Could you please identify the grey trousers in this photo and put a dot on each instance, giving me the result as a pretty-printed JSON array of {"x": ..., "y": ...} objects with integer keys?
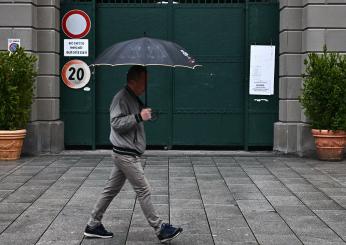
[{"x": 126, "y": 167}]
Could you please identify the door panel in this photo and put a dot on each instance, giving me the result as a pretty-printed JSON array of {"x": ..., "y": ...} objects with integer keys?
[
  {"x": 263, "y": 110},
  {"x": 116, "y": 24},
  {"x": 76, "y": 104},
  {"x": 208, "y": 106},
  {"x": 208, "y": 102}
]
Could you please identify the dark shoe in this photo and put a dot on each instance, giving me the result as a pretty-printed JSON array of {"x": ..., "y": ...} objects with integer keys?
[
  {"x": 97, "y": 231},
  {"x": 168, "y": 232}
]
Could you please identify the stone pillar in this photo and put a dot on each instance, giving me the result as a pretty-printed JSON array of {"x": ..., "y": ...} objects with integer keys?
[
  {"x": 36, "y": 23},
  {"x": 305, "y": 26}
]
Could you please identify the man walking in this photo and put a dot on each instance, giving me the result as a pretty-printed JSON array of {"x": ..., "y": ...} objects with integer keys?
[{"x": 127, "y": 114}]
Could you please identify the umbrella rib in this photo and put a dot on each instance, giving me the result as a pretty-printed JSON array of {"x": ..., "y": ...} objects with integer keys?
[
  {"x": 146, "y": 52},
  {"x": 125, "y": 64}
]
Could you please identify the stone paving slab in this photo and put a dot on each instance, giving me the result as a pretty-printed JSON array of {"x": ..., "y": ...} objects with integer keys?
[{"x": 218, "y": 198}]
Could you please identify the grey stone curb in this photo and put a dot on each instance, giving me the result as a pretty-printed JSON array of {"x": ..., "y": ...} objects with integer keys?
[{"x": 175, "y": 153}]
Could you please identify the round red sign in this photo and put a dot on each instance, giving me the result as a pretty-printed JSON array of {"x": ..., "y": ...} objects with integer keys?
[
  {"x": 76, "y": 24},
  {"x": 75, "y": 74}
]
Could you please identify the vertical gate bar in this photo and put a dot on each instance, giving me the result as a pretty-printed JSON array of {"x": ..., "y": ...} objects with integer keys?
[
  {"x": 93, "y": 83},
  {"x": 170, "y": 20},
  {"x": 246, "y": 74}
]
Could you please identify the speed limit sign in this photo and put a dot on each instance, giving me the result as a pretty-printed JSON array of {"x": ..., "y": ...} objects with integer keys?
[{"x": 75, "y": 74}]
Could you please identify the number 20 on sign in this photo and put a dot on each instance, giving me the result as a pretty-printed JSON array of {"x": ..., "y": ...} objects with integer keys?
[{"x": 75, "y": 74}]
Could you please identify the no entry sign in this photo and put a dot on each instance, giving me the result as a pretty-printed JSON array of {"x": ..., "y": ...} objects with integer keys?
[
  {"x": 75, "y": 74},
  {"x": 76, "y": 24}
]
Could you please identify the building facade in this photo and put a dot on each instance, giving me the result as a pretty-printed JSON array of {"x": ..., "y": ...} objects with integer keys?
[
  {"x": 37, "y": 25},
  {"x": 304, "y": 26}
]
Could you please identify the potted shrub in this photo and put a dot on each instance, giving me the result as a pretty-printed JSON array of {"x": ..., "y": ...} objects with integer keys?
[
  {"x": 17, "y": 77},
  {"x": 324, "y": 101}
]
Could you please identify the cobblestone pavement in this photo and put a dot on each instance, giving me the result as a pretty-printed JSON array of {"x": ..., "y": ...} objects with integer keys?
[{"x": 220, "y": 200}]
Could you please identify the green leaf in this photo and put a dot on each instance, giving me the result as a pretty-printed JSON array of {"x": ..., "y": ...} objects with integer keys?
[
  {"x": 324, "y": 90},
  {"x": 17, "y": 77}
]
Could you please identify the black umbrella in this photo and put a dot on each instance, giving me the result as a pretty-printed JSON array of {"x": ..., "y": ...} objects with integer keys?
[{"x": 146, "y": 52}]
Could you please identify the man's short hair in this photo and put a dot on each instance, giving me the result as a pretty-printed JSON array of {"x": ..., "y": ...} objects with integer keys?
[{"x": 134, "y": 72}]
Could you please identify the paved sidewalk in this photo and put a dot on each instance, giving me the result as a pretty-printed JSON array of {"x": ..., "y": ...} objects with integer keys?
[{"x": 220, "y": 200}]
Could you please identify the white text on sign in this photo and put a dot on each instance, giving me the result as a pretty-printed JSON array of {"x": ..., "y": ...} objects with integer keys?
[{"x": 76, "y": 47}]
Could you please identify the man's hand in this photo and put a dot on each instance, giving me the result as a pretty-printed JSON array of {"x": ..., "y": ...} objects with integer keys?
[{"x": 146, "y": 114}]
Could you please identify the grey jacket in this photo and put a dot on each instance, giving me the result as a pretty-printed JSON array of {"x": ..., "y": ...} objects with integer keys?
[{"x": 127, "y": 129}]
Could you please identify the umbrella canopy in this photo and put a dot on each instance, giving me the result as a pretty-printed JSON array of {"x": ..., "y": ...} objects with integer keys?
[{"x": 146, "y": 52}]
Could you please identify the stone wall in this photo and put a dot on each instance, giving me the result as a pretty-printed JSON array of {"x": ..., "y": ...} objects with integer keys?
[
  {"x": 36, "y": 23},
  {"x": 305, "y": 26}
]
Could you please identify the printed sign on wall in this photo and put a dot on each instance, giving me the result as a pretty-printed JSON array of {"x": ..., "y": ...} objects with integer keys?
[
  {"x": 76, "y": 47},
  {"x": 13, "y": 44},
  {"x": 262, "y": 69}
]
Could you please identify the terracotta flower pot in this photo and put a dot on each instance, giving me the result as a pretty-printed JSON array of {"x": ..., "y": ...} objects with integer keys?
[
  {"x": 11, "y": 143},
  {"x": 330, "y": 144}
]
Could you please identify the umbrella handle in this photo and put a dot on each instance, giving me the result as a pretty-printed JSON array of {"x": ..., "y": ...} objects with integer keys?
[{"x": 146, "y": 91}]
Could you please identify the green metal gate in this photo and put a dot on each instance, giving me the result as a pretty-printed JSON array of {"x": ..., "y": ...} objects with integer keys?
[{"x": 209, "y": 106}]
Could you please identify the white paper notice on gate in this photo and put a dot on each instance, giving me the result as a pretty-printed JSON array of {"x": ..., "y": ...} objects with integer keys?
[
  {"x": 76, "y": 47},
  {"x": 262, "y": 70}
]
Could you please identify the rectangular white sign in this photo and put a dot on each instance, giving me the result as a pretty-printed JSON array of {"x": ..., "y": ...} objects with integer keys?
[
  {"x": 262, "y": 70},
  {"x": 13, "y": 44},
  {"x": 76, "y": 47}
]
